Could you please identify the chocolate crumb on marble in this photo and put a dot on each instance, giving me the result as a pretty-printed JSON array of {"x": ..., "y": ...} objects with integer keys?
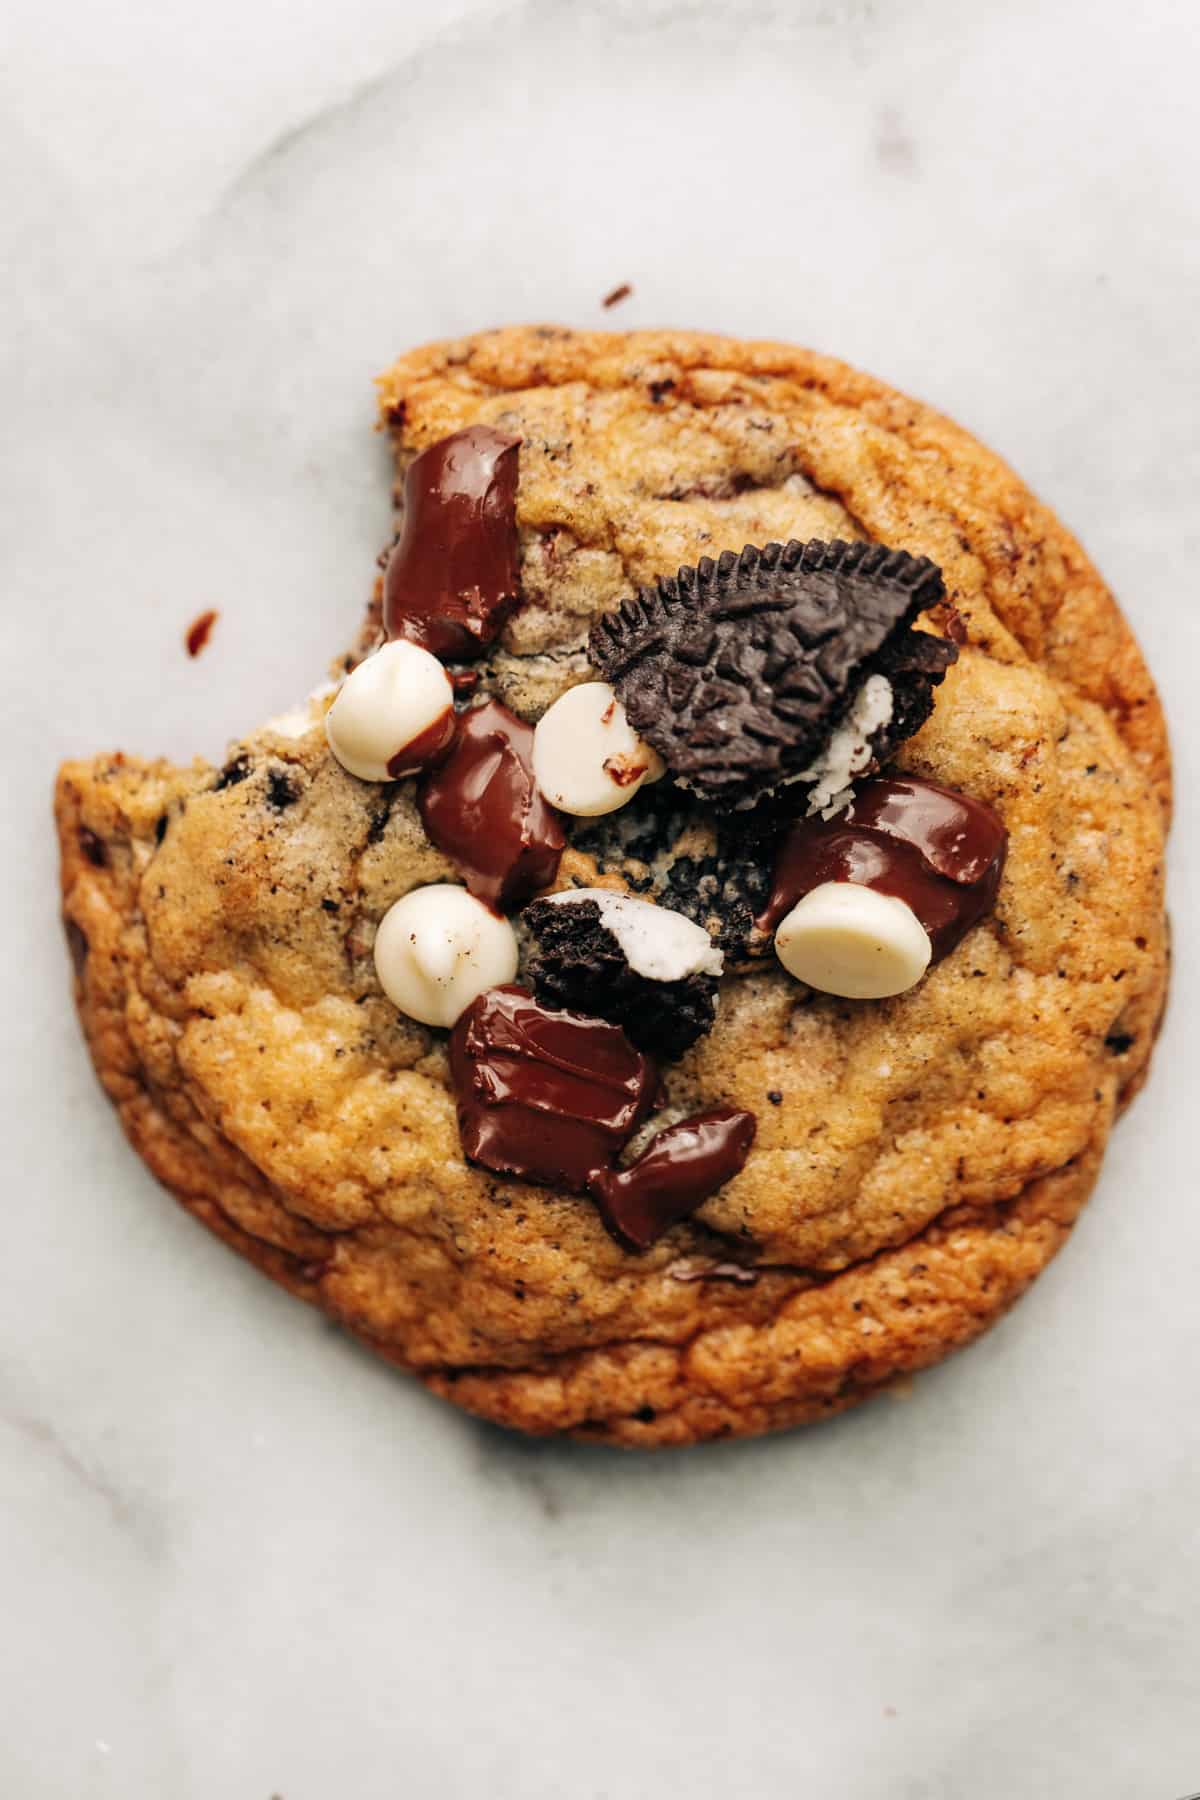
[{"x": 200, "y": 631}]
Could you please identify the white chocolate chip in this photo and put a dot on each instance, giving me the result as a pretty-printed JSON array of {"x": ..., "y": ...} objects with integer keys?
[
  {"x": 846, "y": 939},
  {"x": 587, "y": 758},
  {"x": 438, "y": 949},
  {"x": 387, "y": 703},
  {"x": 657, "y": 943}
]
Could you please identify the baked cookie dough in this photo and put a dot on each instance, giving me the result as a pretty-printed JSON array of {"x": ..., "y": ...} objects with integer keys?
[{"x": 916, "y": 1161}]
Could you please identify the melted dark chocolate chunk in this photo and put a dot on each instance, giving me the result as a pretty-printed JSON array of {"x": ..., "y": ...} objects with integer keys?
[
  {"x": 452, "y": 577},
  {"x": 483, "y": 809},
  {"x": 426, "y": 748},
  {"x": 939, "y": 850},
  {"x": 678, "y": 1171},
  {"x": 546, "y": 1096}
]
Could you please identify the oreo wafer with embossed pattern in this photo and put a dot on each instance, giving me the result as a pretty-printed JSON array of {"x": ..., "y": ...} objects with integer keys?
[{"x": 795, "y": 663}]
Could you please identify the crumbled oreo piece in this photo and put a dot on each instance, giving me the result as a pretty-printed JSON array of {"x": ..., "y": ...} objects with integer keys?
[
  {"x": 581, "y": 964},
  {"x": 738, "y": 671},
  {"x": 723, "y": 892},
  {"x": 282, "y": 789},
  {"x": 669, "y": 846}
]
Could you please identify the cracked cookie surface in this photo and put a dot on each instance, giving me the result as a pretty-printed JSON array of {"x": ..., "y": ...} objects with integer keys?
[{"x": 917, "y": 1161}]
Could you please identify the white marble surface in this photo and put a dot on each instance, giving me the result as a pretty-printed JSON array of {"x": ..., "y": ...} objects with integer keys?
[{"x": 238, "y": 1558}]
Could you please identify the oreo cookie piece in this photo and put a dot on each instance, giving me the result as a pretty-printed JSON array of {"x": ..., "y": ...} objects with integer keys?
[
  {"x": 669, "y": 846},
  {"x": 643, "y": 967},
  {"x": 795, "y": 663}
]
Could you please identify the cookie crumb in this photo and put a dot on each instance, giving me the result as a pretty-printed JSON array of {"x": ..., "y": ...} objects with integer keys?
[
  {"x": 619, "y": 293},
  {"x": 200, "y": 630}
]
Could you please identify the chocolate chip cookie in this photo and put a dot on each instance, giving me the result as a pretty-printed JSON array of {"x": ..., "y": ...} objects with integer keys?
[{"x": 853, "y": 787}]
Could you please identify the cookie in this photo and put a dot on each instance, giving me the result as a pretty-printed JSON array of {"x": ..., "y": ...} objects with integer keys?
[{"x": 915, "y": 1161}]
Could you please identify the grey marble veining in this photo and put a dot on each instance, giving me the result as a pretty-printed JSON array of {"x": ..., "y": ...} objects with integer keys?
[{"x": 239, "y": 1558}]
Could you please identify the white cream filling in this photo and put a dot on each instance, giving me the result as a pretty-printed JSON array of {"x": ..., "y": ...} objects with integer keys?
[
  {"x": 848, "y": 751},
  {"x": 657, "y": 943},
  {"x": 846, "y": 754}
]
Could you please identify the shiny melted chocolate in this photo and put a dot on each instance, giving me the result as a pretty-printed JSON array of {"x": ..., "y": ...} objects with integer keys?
[
  {"x": 426, "y": 747},
  {"x": 679, "y": 1169},
  {"x": 546, "y": 1096},
  {"x": 939, "y": 850},
  {"x": 482, "y": 807},
  {"x": 452, "y": 576}
]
